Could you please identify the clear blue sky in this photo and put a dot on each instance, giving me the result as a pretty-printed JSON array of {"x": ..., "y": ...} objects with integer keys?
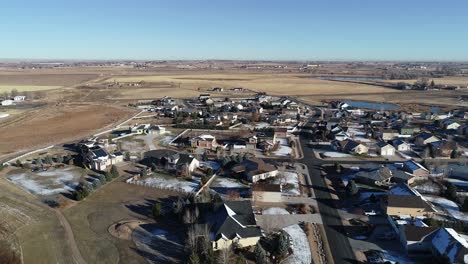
[{"x": 235, "y": 29}]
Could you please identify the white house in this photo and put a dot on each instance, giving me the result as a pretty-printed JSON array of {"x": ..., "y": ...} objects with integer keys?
[
  {"x": 401, "y": 145},
  {"x": 7, "y": 102},
  {"x": 19, "y": 98},
  {"x": 385, "y": 149}
]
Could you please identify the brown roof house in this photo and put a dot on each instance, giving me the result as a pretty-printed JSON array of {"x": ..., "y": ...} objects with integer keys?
[
  {"x": 412, "y": 205},
  {"x": 255, "y": 169},
  {"x": 270, "y": 193}
]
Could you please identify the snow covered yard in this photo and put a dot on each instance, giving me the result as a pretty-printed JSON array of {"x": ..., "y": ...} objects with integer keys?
[
  {"x": 223, "y": 185},
  {"x": 170, "y": 183},
  {"x": 449, "y": 206},
  {"x": 275, "y": 211},
  {"x": 333, "y": 154},
  {"x": 53, "y": 181},
  {"x": 300, "y": 245},
  {"x": 291, "y": 179},
  {"x": 284, "y": 149}
]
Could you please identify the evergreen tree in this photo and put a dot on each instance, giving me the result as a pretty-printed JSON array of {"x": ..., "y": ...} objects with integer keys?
[
  {"x": 351, "y": 188},
  {"x": 283, "y": 244},
  {"x": 157, "y": 210},
  {"x": 464, "y": 207},
  {"x": 194, "y": 259},
  {"x": 241, "y": 259},
  {"x": 260, "y": 254},
  {"x": 108, "y": 176},
  {"x": 114, "y": 171},
  {"x": 451, "y": 192},
  {"x": 18, "y": 163}
]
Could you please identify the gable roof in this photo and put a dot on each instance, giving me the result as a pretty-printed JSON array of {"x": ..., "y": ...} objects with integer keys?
[
  {"x": 413, "y": 166},
  {"x": 233, "y": 219},
  {"x": 447, "y": 241},
  {"x": 253, "y": 166},
  {"x": 418, "y": 233},
  {"x": 408, "y": 201},
  {"x": 162, "y": 153},
  {"x": 185, "y": 159}
]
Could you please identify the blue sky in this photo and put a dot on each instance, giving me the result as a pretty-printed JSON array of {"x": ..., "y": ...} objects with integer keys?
[{"x": 236, "y": 29}]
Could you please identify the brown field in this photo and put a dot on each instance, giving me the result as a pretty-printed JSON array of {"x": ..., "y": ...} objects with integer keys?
[
  {"x": 456, "y": 81},
  {"x": 114, "y": 202},
  {"x": 59, "y": 123},
  {"x": 55, "y": 80},
  {"x": 279, "y": 84},
  {"x": 32, "y": 227}
]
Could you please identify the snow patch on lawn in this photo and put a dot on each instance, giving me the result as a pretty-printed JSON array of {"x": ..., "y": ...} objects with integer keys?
[
  {"x": 284, "y": 148},
  {"x": 332, "y": 154},
  {"x": 291, "y": 178},
  {"x": 227, "y": 183},
  {"x": 275, "y": 211},
  {"x": 450, "y": 206},
  {"x": 47, "y": 182},
  {"x": 168, "y": 183},
  {"x": 300, "y": 246}
]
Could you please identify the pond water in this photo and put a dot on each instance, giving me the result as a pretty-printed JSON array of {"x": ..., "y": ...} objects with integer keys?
[
  {"x": 369, "y": 105},
  {"x": 349, "y": 78}
]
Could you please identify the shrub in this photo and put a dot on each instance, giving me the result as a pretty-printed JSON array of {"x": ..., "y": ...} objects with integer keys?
[{"x": 157, "y": 210}]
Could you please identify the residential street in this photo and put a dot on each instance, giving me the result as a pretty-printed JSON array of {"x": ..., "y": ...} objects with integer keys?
[{"x": 338, "y": 241}]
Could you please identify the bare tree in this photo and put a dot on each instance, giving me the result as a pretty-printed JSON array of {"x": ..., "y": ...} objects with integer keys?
[{"x": 14, "y": 92}]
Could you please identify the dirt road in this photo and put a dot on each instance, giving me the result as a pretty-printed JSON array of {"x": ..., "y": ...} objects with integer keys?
[{"x": 70, "y": 238}]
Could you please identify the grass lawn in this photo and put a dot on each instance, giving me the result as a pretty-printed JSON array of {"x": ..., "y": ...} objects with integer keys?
[{"x": 115, "y": 201}]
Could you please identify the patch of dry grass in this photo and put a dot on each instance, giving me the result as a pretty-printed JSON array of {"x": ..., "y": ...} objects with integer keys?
[{"x": 276, "y": 84}]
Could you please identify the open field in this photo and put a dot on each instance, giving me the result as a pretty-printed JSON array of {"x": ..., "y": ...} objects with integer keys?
[
  {"x": 26, "y": 88},
  {"x": 47, "y": 79},
  {"x": 280, "y": 84},
  {"x": 456, "y": 81},
  {"x": 55, "y": 124},
  {"x": 33, "y": 228},
  {"x": 114, "y": 202}
]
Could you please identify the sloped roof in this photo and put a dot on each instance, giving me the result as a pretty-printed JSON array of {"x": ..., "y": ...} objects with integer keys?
[
  {"x": 233, "y": 218},
  {"x": 406, "y": 201},
  {"x": 417, "y": 233},
  {"x": 448, "y": 241}
]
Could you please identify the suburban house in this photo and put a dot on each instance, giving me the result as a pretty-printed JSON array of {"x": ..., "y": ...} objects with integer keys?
[
  {"x": 415, "y": 168},
  {"x": 269, "y": 193},
  {"x": 203, "y": 141},
  {"x": 401, "y": 145},
  {"x": 412, "y": 205},
  {"x": 442, "y": 148},
  {"x": 376, "y": 177},
  {"x": 436, "y": 241},
  {"x": 407, "y": 131},
  {"x": 385, "y": 149},
  {"x": 187, "y": 163},
  {"x": 255, "y": 169},
  {"x": 161, "y": 157},
  {"x": 449, "y": 124},
  {"x": 232, "y": 222},
  {"x": 447, "y": 241},
  {"x": 99, "y": 159},
  {"x": 351, "y": 146},
  {"x": 425, "y": 138},
  {"x": 19, "y": 98},
  {"x": 416, "y": 239},
  {"x": 387, "y": 134},
  {"x": 281, "y": 132}
]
